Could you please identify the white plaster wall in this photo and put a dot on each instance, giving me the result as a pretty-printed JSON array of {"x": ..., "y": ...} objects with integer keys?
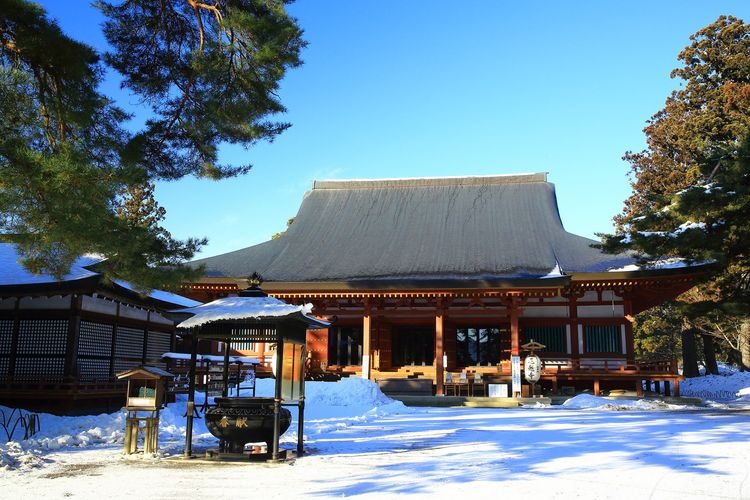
[
  {"x": 99, "y": 305},
  {"x": 562, "y": 300},
  {"x": 589, "y": 296},
  {"x": 57, "y": 302},
  {"x": 6, "y": 304},
  {"x": 603, "y": 311},
  {"x": 545, "y": 312},
  {"x": 133, "y": 312},
  {"x": 610, "y": 295},
  {"x": 580, "y": 338},
  {"x": 159, "y": 319}
]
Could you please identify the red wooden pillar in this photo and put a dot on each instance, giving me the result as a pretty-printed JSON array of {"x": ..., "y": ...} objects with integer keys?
[
  {"x": 573, "y": 315},
  {"x": 629, "y": 319},
  {"x": 366, "y": 335},
  {"x": 515, "y": 335},
  {"x": 439, "y": 350}
]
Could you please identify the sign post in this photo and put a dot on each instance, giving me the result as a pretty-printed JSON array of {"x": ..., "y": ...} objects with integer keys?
[{"x": 515, "y": 371}]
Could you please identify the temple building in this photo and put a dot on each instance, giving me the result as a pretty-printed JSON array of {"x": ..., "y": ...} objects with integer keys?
[{"x": 425, "y": 277}]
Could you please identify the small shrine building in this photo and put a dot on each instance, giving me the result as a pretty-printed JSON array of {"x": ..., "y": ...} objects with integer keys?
[
  {"x": 421, "y": 277},
  {"x": 62, "y": 341}
]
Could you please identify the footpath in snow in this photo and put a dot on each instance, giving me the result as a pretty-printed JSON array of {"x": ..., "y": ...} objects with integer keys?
[{"x": 361, "y": 443}]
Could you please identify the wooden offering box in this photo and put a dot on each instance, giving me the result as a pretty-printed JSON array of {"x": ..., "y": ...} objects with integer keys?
[{"x": 147, "y": 388}]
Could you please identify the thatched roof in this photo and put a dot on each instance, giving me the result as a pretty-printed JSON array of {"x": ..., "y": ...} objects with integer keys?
[{"x": 480, "y": 228}]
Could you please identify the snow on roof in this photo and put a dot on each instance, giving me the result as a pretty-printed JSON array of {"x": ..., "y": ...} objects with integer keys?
[
  {"x": 391, "y": 182},
  {"x": 13, "y": 273},
  {"x": 241, "y": 308},
  {"x": 660, "y": 264},
  {"x": 172, "y": 298},
  {"x": 153, "y": 370}
]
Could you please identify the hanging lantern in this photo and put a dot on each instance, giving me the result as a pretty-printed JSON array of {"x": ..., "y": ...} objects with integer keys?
[{"x": 532, "y": 368}]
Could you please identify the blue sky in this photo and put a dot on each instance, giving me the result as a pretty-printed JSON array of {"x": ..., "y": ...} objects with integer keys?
[{"x": 436, "y": 88}]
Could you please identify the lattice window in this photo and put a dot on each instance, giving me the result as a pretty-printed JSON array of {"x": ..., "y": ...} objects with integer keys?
[
  {"x": 95, "y": 339},
  {"x": 43, "y": 336},
  {"x": 129, "y": 342},
  {"x": 602, "y": 338},
  {"x": 4, "y": 362},
  {"x": 553, "y": 337},
  {"x": 158, "y": 344},
  {"x": 6, "y": 335},
  {"x": 39, "y": 368},
  {"x": 93, "y": 369},
  {"x": 260, "y": 333}
]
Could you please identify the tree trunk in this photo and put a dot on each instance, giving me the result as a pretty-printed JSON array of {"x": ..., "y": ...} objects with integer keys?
[
  {"x": 744, "y": 344},
  {"x": 689, "y": 354},
  {"x": 710, "y": 354}
]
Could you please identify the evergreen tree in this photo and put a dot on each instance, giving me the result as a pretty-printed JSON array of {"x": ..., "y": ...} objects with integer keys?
[
  {"x": 691, "y": 196},
  {"x": 209, "y": 72}
]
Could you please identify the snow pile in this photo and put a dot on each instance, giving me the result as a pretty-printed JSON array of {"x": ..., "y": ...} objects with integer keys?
[
  {"x": 13, "y": 456},
  {"x": 729, "y": 389},
  {"x": 328, "y": 405},
  {"x": 350, "y": 391},
  {"x": 587, "y": 401},
  {"x": 730, "y": 386}
]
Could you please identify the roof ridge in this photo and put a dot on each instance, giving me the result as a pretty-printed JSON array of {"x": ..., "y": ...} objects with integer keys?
[{"x": 411, "y": 182}]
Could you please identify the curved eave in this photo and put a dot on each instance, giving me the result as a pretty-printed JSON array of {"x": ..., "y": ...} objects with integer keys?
[
  {"x": 134, "y": 295},
  {"x": 311, "y": 322},
  {"x": 416, "y": 284},
  {"x": 694, "y": 271},
  {"x": 82, "y": 285},
  {"x": 86, "y": 286}
]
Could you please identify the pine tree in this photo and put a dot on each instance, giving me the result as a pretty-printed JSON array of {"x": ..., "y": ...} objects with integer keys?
[
  {"x": 209, "y": 72},
  {"x": 691, "y": 198}
]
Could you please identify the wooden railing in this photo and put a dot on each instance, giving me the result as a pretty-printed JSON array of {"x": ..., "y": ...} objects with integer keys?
[
  {"x": 62, "y": 385},
  {"x": 587, "y": 365}
]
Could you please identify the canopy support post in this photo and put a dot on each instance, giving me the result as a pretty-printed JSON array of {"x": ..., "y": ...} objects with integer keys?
[
  {"x": 191, "y": 397},
  {"x": 277, "y": 396}
]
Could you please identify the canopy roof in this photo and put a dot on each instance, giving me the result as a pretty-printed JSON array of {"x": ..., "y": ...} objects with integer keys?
[
  {"x": 145, "y": 372},
  {"x": 453, "y": 228},
  {"x": 244, "y": 308}
]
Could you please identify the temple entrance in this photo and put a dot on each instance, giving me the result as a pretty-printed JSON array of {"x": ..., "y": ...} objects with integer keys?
[
  {"x": 413, "y": 345},
  {"x": 482, "y": 346},
  {"x": 344, "y": 346}
]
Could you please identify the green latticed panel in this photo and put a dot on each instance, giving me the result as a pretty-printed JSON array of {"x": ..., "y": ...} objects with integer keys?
[
  {"x": 602, "y": 338},
  {"x": 553, "y": 337}
]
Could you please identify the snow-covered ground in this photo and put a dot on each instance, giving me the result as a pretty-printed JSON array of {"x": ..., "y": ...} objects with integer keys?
[{"x": 360, "y": 443}]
